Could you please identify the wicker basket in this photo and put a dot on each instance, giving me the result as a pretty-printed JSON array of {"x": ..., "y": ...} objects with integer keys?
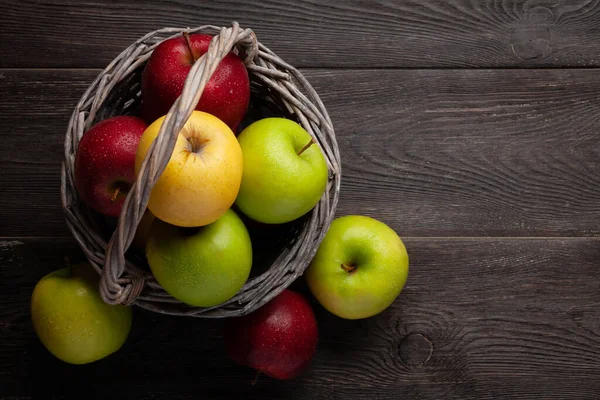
[{"x": 116, "y": 91}]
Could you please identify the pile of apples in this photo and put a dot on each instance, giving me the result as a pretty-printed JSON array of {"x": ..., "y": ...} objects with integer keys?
[{"x": 196, "y": 245}]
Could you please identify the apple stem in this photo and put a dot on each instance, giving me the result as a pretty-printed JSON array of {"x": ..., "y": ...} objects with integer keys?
[
  {"x": 349, "y": 268},
  {"x": 115, "y": 194},
  {"x": 189, "y": 45},
  {"x": 306, "y": 146},
  {"x": 256, "y": 377}
]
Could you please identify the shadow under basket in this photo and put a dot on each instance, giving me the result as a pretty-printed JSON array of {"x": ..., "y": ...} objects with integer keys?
[{"x": 278, "y": 89}]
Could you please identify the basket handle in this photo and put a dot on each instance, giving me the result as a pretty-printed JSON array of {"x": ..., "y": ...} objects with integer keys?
[{"x": 113, "y": 288}]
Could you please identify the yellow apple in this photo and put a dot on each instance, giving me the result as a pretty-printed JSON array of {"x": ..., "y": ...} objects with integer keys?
[{"x": 203, "y": 176}]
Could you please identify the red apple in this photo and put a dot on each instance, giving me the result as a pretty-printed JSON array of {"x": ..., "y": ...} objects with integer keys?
[
  {"x": 226, "y": 95},
  {"x": 279, "y": 339},
  {"x": 105, "y": 163}
]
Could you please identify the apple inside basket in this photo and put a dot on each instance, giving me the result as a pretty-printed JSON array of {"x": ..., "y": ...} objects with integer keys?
[{"x": 280, "y": 251}]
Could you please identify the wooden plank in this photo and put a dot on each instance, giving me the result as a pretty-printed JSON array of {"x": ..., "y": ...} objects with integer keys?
[
  {"x": 317, "y": 33},
  {"x": 35, "y": 110},
  {"x": 470, "y": 152},
  {"x": 478, "y": 319},
  {"x": 432, "y": 153}
]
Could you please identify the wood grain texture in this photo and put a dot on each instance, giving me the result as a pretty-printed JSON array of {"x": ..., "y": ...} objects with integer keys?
[
  {"x": 506, "y": 318},
  {"x": 317, "y": 33},
  {"x": 35, "y": 108},
  {"x": 432, "y": 153},
  {"x": 469, "y": 153}
]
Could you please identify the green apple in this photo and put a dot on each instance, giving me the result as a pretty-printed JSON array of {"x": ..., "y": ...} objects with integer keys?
[
  {"x": 284, "y": 174},
  {"x": 360, "y": 267},
  {"x": 202, "y": 266},
  {"x": 71, "y": 319}
]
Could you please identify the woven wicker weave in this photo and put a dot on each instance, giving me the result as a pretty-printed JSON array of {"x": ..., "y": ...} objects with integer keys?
[{"x": 116, "y": 91}]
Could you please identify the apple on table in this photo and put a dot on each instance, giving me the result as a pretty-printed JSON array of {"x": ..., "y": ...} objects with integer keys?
[
  {"x": 279, "y": 339},
  {"x": 71, "y": 319},
  {"x": 360, "y": 267}
]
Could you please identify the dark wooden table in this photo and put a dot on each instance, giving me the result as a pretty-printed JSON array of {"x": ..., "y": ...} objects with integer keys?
[{"x": 471, "y": 127}]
